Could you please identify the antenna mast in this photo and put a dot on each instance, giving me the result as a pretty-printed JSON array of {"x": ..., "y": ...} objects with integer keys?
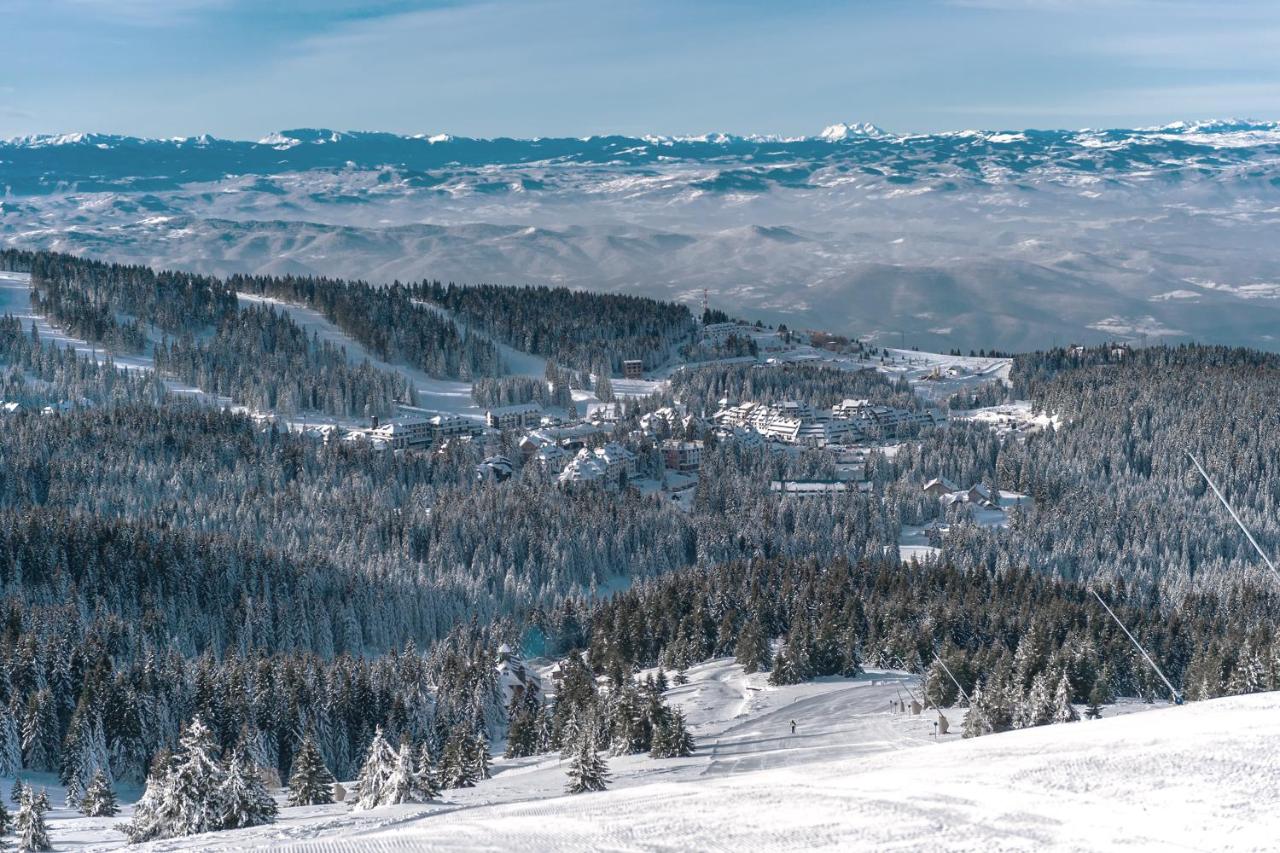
[
  {"x": 1177, "y": 697},
  {"x": 1248, "y": 535}
]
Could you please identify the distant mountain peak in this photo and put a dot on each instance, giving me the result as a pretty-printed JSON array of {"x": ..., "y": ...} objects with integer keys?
[{"x": 841, "y": 131}]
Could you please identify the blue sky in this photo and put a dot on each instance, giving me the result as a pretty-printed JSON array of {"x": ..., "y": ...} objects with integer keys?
[{"x": 241, "y": 68}]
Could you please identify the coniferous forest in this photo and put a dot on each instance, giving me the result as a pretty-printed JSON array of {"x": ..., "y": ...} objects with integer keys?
[{"x": 328, "y": 608}]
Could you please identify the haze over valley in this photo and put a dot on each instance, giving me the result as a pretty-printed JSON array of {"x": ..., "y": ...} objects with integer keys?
[{"x": 972, "y": 239}]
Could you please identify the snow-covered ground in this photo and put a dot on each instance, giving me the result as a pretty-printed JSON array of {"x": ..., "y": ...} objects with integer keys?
[
  {"x": 1009, "y": 418},
  {"x": 15, "y": 299},
  {"x": 1198, "y": 777},
  {"x": 434, "y": 395},
  {"x": 856, "y": 775}
]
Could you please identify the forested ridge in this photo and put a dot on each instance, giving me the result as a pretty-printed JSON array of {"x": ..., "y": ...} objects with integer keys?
[
  {"x": 578, "y": 329},
  {"x": 386, "y": 321},
  {"x": 161, "y": 558}
]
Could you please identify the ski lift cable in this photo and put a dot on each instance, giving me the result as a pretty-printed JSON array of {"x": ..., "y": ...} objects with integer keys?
[
  {"x": 1177, "y": 697},
  {"x": 952, "y": 677},
  {"x": 1222, "y": 498}
]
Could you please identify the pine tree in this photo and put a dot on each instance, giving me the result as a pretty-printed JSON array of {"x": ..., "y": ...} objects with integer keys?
[
  {"x": 671, "y": 738},
  {"x": 192, "y": 791},
  {"x": 84, "y": 751},
  {"x": 522, "y": 729},
  {"x": 1037, "y": 707},
  {"x": 428, "y": 784},
  {"x": 10, "y": 743},
  {"x": 753, "y": 648},
  {"x": 1063, "y": 710},
  {"x": 976, "y": 720},
  {"x": 245, "y": 801},
  {"x": 29, "y": 825},
  {"x": 456, "y": 770},
  {"x": 477, "y": 756},
  {"x": 403, "y": 785},
  {"x": 310, "y": 783},
  {"x": 791, "y": 664},
  {"x": 626, "y": 724},
  {"x": 15, "y": 793},
  {"x": 587, "y": 770},
  {"x": 99, "y": 799},
  {"x": 681, "y": 741},
  {"x": 152, "y": 813},
  {"x": 1097, "y": 697},
  {"x": 5, "y": 820},
  {"x": 371, "y": 785}
]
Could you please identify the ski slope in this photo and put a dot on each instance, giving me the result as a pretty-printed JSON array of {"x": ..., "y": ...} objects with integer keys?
[
  {"x": 1197, "y": 777},
  {"x": 434, "y": 395},
  {"x": 15, "y": 299},
  {"x": 854, "y": 776}
]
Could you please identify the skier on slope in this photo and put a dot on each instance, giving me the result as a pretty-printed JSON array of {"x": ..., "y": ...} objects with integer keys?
[{"x": 793, "y": 726}]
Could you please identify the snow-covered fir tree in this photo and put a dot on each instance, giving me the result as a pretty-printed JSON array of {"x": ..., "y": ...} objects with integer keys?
[
  {"x": 310, "y": 783},
  {"x": 403, "y": 784},
  {"x": 477, "y": 755},
  {"x": 457, "y": 762},
  {"x": 29, "y": 825},
  {"x": 587, "y": 770},
  {"x": 243, "y": 797},
  {"x": 425, "y": 775},
  {"x": 1063, "y": 710},
  {"x": 194, "y": 786},
  {"x": 371, "y": 789},
  {"x": 152, "y": 813},
  {"x": 99, "y": 798},
  {"x": 84, "y": 752},
  {"x": 183, "y": 792},
  {"x": 10, "y": 743},
  {"x": 671, "y": 738}
]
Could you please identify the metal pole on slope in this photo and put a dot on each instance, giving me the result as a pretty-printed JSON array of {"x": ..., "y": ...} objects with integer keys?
[
  {"x": 947, "y": 670},
  {"x": 1222, "y": 498},
  {"x": 1177, "y": 697}
]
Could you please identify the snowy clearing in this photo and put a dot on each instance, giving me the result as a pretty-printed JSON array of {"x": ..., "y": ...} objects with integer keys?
[
  {"x": 1196, "y": 777},
  {"x": 854, "y": 775},
  {"x": 15, "y": 299},
  {"x": 445, "y": 396}
]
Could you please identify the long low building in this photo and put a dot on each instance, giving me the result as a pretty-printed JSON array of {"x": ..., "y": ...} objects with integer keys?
[
  {"x": 411, "y": 431},
  {"x": 514, "y": 417},
  {"x": 815, "y": 488},
  {"x": 797, "y": 423}
]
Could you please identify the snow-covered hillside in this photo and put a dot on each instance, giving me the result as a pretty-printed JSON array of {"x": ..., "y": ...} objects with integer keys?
[
  {"x": 1011, "y": 240},
  {"x": 1198, "y": 777},
  {"x": 857, "y": 774}
]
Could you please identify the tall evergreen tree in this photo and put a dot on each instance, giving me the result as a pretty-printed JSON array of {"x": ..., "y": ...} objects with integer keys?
[
  {"x": 99, "y": 799},
  {"x": 195, "y": 783},
  {"x": 243, "y": 797},
  {"x": 310, "y": 783},
  {"x": 30, "y": 827},
  {"x": 427, "y": 780},
  {"x": 375, "y": 773},
  {"x": 587, "y": 770}
]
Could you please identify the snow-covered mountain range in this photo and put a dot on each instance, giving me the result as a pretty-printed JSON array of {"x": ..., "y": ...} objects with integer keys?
[{"x": 966, "y": 239}]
